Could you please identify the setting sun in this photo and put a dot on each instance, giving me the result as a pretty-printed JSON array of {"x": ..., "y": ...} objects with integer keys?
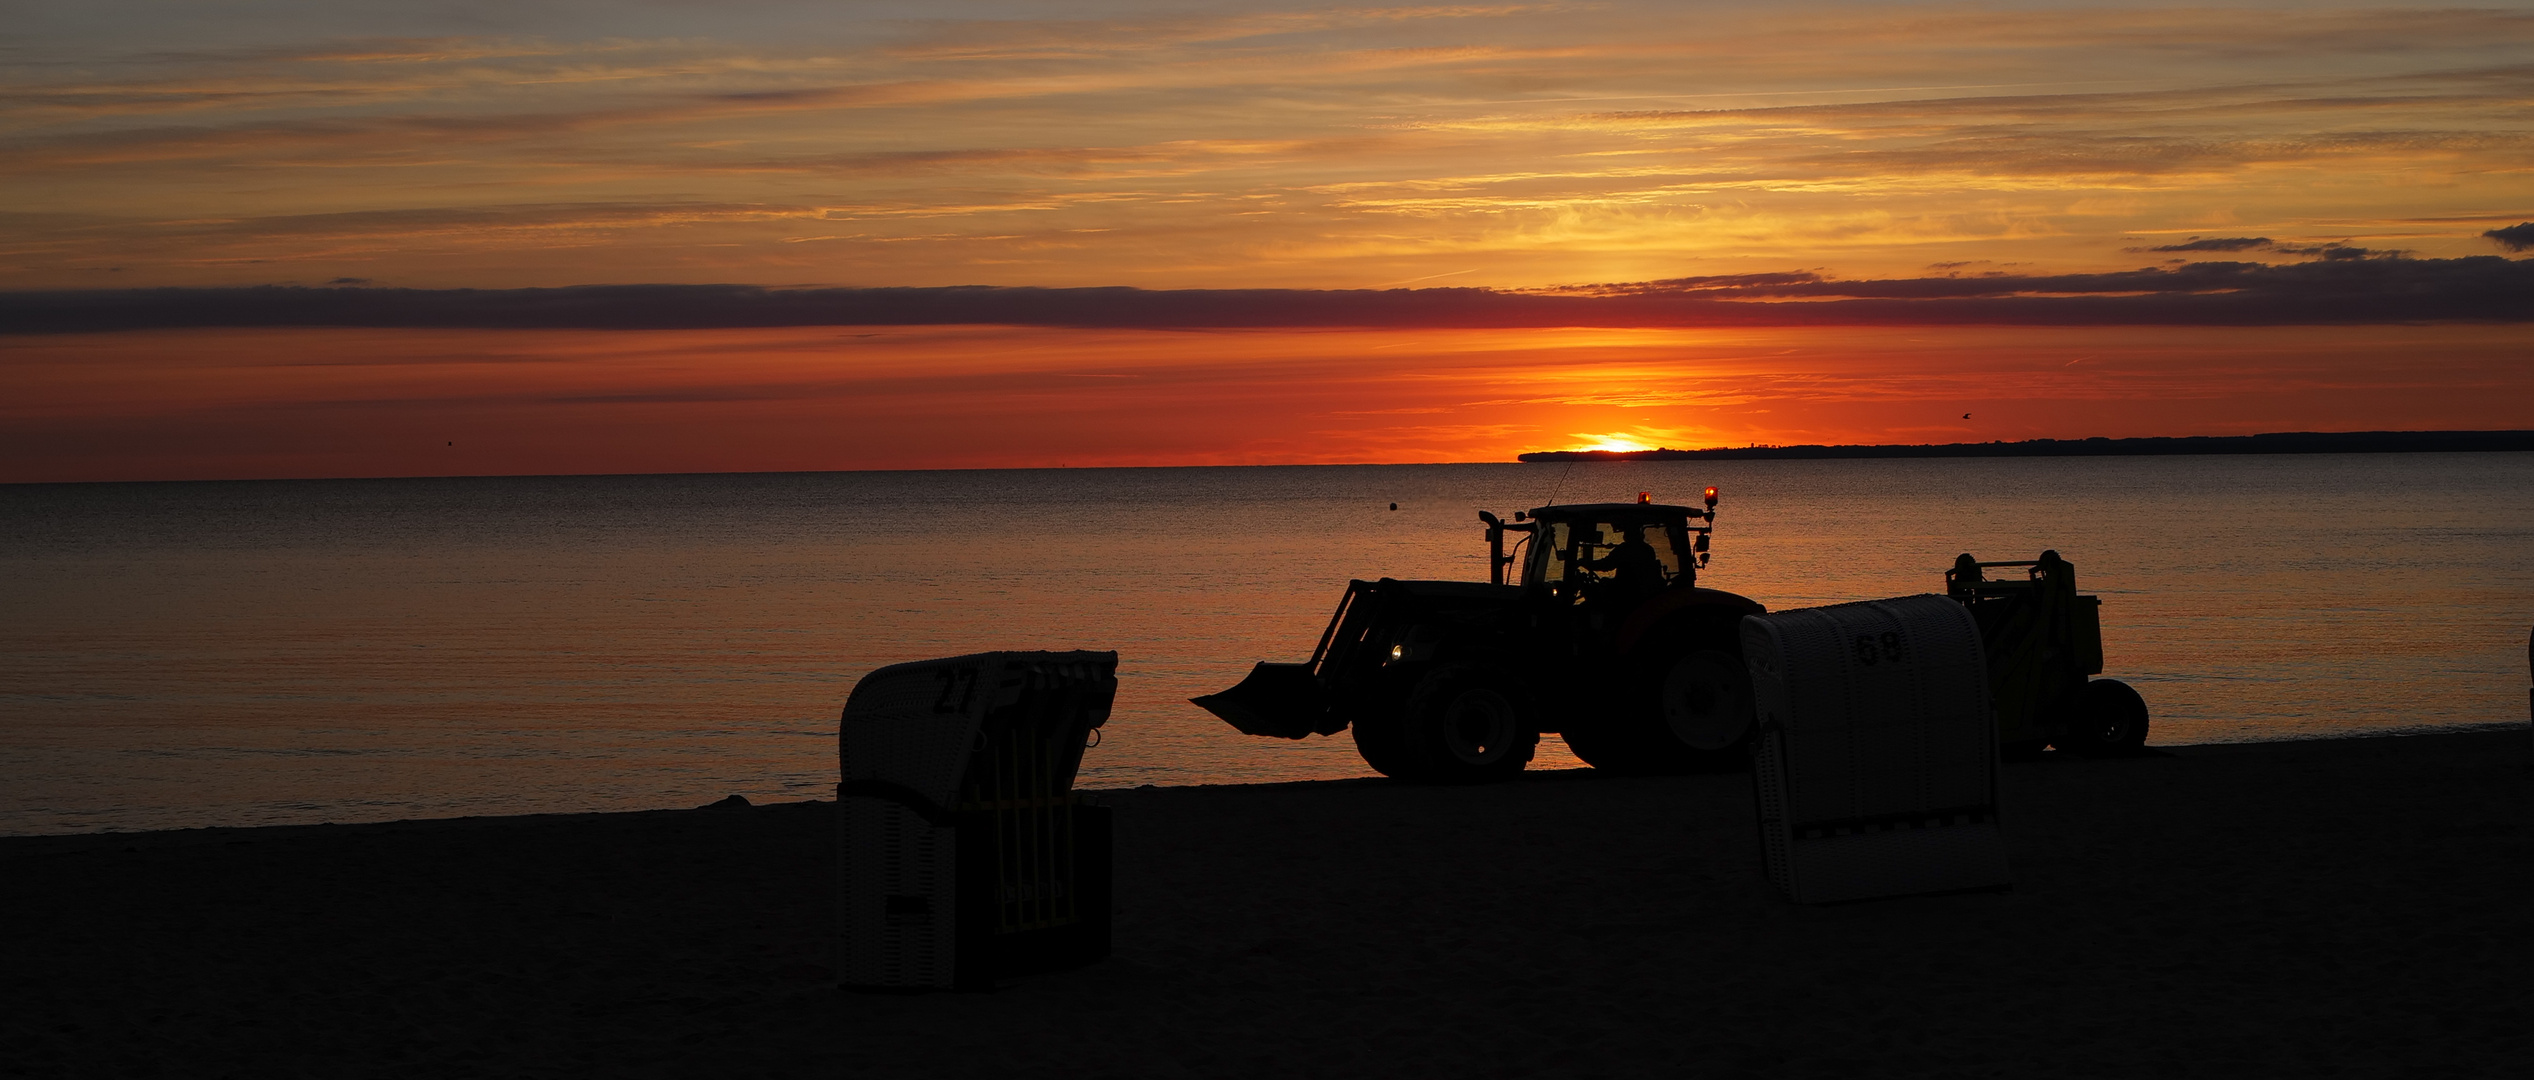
[{"x": 1612, "y": 443}]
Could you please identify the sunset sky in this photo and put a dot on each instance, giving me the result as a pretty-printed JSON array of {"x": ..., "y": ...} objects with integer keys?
[{"x": 1298, "y": 233}]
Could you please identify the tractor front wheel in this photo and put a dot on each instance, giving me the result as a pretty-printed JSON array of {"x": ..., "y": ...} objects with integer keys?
[
  {"x": 1462, "y": 726},
  {"x": 2108, "y": 720},
  {"x": 1381, "y": 738}
]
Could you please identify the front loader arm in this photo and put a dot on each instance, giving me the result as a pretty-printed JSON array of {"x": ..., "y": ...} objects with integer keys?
[{"x": 1289, "y": 701}]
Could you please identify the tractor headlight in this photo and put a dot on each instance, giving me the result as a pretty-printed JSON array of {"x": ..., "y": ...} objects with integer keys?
[{"x": 1415, "y": 645}]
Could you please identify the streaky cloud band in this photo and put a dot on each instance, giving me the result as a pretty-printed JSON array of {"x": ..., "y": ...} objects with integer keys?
[{"x": 2336, "y": 291}]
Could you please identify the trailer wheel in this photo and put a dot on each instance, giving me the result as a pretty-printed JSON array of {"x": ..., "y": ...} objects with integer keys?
[
  {"x": 2109, "y": 720},
  {"x": 1464, "y": 727},
  {"x": 1692, "y": 714}
]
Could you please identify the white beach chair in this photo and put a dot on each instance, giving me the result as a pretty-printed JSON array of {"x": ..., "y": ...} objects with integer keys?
[
  {"x": 1876, "y": 753},
  {"x": 963, "y": 853}
]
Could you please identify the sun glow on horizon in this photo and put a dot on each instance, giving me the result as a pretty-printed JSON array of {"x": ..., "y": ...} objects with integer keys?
[
  {"x": 1617, "y": 444},
  {"x": 278, "y": 402}
]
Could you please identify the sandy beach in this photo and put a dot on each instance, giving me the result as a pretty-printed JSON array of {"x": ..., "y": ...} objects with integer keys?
[{"x": 2353, "y": 907}]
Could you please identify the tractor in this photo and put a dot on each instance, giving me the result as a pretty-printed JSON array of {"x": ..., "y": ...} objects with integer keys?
[
  {"x": 1602, "y": 634},
  {"x": 1594, "y": 626}
]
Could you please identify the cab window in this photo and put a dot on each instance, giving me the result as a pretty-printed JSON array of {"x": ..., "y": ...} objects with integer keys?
[
  {"x": 1549, "y": 553},
  {"x": 1668, "y": 542},
  {"x": 1572, "y": 553}
]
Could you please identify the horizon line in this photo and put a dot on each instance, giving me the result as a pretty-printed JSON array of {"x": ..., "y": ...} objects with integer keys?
[{"x": 1545, "y": 457}]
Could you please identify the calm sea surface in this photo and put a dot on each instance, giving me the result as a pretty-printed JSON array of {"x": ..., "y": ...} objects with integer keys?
[{"x": 177, "y": 655}]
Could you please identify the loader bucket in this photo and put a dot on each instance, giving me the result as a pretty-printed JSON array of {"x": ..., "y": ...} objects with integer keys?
[{"x": 1283, "y": 701}]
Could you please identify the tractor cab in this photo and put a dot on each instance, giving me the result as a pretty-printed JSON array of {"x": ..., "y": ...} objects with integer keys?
[{"x": 1587, "y": 551}]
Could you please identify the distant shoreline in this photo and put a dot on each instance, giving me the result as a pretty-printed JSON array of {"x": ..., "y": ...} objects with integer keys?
[{"x": 2284, "y": 442}]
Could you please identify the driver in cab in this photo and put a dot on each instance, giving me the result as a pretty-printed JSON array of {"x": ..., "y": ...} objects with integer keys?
[{"x": 1636, "y": 572}]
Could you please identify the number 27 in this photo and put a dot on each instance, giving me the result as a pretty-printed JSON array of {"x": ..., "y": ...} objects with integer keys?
[{"x": 956, "y": 683}]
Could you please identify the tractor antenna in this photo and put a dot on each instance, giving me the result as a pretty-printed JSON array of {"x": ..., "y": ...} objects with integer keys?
[{"x": 1561, "y": 483}]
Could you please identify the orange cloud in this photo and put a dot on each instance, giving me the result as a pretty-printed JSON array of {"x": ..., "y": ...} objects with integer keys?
[{"x": 1309, "y": 147}]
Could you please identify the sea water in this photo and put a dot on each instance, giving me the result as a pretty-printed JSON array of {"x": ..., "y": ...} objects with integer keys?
[{"x": 236, "y": 653}]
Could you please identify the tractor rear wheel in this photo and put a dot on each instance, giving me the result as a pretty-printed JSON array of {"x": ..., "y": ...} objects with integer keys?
[
  {"x": 1463, "y": 726},
  {"x": 1706, "y": 701},
  {"x": 2108, "y": 719},
  {"x": 1692, "y": 714}
]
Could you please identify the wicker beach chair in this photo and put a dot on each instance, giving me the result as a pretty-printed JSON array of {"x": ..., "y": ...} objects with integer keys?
[
  {"x": 1876, "y": 757},
  {"x": 964, "y": 854}
]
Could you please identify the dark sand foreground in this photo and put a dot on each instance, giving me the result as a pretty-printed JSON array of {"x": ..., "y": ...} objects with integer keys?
[{"x": 2345, "y": 908}]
